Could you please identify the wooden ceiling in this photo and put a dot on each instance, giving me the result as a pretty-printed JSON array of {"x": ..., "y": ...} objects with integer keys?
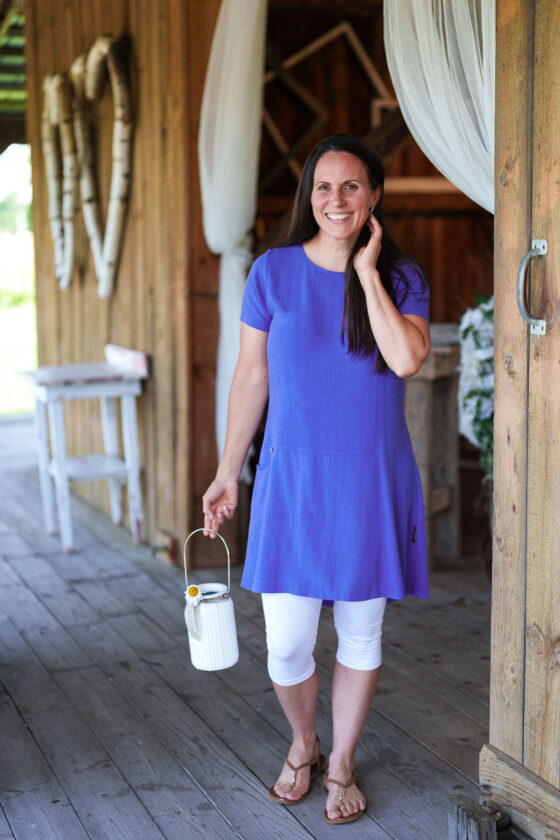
[{"x": 13, "y": 95}]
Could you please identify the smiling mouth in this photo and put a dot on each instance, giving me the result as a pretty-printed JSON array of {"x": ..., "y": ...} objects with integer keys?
[{"x": 338, "y": 217}]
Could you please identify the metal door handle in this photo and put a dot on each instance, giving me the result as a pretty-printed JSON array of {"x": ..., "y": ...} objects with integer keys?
[{"x": 538, "y": 249}]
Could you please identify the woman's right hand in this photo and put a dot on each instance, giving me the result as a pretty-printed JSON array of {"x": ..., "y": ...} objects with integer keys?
[{"x": 218, "y": 503}]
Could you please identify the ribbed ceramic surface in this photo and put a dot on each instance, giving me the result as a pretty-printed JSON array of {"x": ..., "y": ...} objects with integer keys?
[{"x": 217, "y": 647}]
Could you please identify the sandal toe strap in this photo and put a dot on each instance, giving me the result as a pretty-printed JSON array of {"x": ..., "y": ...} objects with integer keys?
[
  {"x": 314, "y": 760},
  {"x": 342, "y": 786}
]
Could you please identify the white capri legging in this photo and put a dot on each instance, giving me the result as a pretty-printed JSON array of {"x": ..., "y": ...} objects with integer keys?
[{"x": 291, "y": 632}]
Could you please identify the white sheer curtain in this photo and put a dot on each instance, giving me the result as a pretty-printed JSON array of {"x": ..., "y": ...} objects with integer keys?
[
  {"x": 441, "y": 56},
  {"x": 228, "y": 153}
]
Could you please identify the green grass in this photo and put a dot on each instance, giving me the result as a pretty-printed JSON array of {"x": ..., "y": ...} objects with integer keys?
[{"x": 18, "y": 329}]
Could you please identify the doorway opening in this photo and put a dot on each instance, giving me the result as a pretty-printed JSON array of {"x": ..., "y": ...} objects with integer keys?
[
  {"x": 18, "y": 328},
  {"x": 326, "y": 72}
]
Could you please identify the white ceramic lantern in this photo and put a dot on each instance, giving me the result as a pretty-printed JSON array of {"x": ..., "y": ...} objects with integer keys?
[{"x": 210, "y": 620}]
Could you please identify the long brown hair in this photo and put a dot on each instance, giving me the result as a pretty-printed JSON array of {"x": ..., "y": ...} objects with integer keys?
[{"x": 355, "y": 328}]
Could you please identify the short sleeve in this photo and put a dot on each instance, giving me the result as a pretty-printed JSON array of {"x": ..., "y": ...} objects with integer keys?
[
  {"x": 254, "y": 309},
  {"x": 414, "y": 300}
]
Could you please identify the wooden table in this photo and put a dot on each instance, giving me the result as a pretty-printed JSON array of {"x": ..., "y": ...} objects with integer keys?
[
  {"x": 432, "y": 417},
  {"x": 119, "y": 377}
]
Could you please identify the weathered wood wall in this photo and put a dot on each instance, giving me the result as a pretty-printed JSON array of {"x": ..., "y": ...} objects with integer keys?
[{"x": 163, "y": 301}]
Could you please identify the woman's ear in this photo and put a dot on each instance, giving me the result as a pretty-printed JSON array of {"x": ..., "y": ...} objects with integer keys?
[{"x": 375, "y": 196}]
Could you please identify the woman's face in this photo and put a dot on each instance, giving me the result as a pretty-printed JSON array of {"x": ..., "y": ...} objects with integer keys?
[{"x": 341, "y": 196}]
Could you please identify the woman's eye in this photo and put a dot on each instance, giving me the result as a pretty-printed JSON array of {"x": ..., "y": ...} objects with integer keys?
[
  {"x": 322, "y": 187},
  {"x": 351, "y": 186}
]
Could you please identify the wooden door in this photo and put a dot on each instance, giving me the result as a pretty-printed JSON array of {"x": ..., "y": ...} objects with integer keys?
[{"x": 520, "y": 768}]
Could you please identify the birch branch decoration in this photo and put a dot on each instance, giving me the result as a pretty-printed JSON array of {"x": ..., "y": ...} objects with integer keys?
[
  {"x": 108, "y": 52},
  {"x": 68, "y": 150},
  {"x": 84, "y": 147},
  {"x": 57, "y": 126},
  {"x": 53, "y": 167}
]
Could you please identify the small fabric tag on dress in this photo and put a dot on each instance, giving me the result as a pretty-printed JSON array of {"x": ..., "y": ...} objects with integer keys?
[{"x": 414, "y": 533}]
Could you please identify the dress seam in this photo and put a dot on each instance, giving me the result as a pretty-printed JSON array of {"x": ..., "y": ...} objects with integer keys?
[{"x": 276, "y": 448}]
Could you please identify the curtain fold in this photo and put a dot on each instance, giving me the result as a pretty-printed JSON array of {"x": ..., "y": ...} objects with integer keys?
[
  {"x": 441, "y": 56},
  {"x": 228, "y": 153}
]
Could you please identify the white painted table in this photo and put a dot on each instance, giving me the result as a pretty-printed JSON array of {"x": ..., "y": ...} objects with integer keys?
[{"x": 119, "y": 377}]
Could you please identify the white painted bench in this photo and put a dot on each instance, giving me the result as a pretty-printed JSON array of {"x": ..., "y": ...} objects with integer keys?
[{"x": 119, "y": 377}]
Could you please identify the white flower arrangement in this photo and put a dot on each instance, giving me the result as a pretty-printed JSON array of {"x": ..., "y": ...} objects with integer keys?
[{"x": 476, "y": 379}]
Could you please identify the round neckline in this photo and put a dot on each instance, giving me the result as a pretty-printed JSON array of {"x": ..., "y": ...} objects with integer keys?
[{"x": 318, "y": 267}]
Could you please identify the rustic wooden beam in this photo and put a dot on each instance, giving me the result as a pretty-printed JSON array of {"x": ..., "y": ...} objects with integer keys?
[
  {"x": 507, "y": 786},
  {"x": 541, "y": 722},
  {"x": 441, "y": 498},
  {"x": 389, "y": 137},
  {"x": 419, "y": 184},
  {"x": 467, "y": 820},
  {"x": 430, "y": 204},
  {"x": 343, "y": 28},
  {"x": 283, "y": 147},
  {"x": 512, "y": 234}
]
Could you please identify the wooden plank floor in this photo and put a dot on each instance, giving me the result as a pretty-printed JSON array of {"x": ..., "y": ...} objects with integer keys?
[{"x": 107, "y": 731}]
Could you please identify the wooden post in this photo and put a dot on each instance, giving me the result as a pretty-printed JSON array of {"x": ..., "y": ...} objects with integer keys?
[
  {"x": 467, "y": 819},
  {"x": 431, "y": 416},
  {"x": 520, "y": 768},
  {"x": 511, "y": 233},
  {"x": 541, "y": 725}
]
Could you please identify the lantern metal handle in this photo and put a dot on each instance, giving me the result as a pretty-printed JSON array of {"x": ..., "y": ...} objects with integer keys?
[
  {"x": 227, "y": 551},
  {"x": 538, "y": 249}
]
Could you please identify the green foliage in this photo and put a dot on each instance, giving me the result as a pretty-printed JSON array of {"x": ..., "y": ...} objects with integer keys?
[
  {"x": 10, "y": 297},
  {"x": 14, "y": 215},
  {"x": 476, "y": 381}
]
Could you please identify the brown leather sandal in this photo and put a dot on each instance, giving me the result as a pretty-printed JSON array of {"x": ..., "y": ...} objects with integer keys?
[
  {"x": 315, "y": 765},
  {"x": 342, "y": 787}
]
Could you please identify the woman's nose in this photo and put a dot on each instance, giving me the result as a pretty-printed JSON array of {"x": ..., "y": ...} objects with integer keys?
[{"x": 338, "y": 197}]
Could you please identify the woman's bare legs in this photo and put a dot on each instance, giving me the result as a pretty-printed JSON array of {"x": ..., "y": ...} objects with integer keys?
[
  {"x": 299, "y": 704},
  {"x": 352, "y": 695}
]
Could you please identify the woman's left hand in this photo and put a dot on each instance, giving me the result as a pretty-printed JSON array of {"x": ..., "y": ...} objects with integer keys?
[{"x": 365, "y": 260}]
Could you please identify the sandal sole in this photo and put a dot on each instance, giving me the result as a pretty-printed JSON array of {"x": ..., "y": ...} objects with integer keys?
[{"x": 341, "y": 820}]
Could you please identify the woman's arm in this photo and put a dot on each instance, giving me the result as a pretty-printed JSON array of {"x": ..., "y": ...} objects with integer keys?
[
  {"x": 247, "y": 400},
  {"x": 403, "y": 340}
]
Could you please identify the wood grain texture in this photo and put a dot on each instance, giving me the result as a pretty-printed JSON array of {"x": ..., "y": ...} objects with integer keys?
[
  {"x": 5, "y": 830},
  {"x": 150, "y": 309},
  {"x": 115, "y": 724},
  {"x": 32, "y": 798},
  {"x": 431, "y": 416},
  {"x": 103, "y": 801},
  {"x": 533, "y": 805},
  {"x": 542, "y": 682},
  {"x": 166, "y": 790},
  {"x": 202, "y": 284},
  {"x": 469, "y": 819},
  {"x": 403, "y": 801},
  {"x": 512, "y": 233}
]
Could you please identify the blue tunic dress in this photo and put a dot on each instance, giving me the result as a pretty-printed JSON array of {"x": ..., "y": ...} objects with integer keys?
[{"x": 337, "y": 510}]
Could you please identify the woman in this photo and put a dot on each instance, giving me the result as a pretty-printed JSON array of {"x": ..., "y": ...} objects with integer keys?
[{"x": 331, "y": 324}]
